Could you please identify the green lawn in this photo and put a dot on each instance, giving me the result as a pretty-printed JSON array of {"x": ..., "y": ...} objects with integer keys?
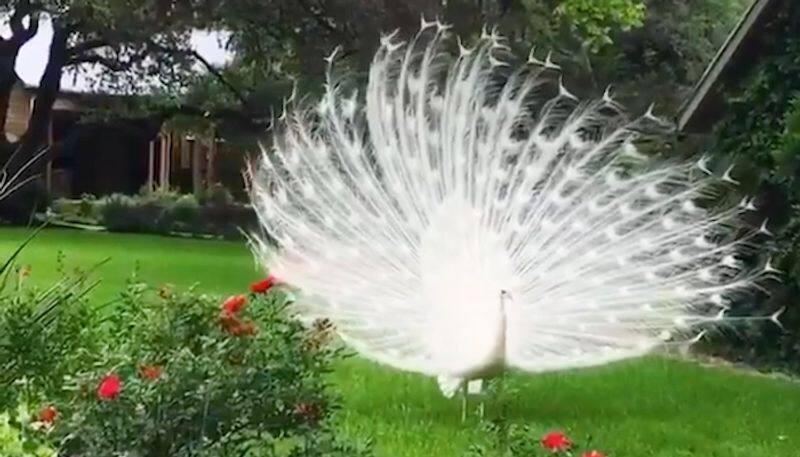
[
  {"x": 651, "y": 407},
  {"x": 215, "y": 266}
]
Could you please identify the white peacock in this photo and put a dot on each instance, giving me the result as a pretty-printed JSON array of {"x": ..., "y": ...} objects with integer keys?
[{"x": 470, "y": 215}]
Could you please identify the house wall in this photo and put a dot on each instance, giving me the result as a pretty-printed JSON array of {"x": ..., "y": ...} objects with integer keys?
[{"x": 18, "y": 112}]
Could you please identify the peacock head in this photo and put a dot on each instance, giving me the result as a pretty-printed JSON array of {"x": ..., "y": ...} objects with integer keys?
[{"x": 505, "y": 297}]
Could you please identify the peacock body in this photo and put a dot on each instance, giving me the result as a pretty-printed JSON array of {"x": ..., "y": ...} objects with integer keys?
[{"x": 468, "y": 215}]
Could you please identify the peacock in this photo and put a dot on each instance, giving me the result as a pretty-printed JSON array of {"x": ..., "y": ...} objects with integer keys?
[{"x": 467, "y": 214}]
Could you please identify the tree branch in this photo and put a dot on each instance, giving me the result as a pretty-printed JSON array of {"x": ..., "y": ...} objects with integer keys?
[
  {"x": 320, "y": 19},
  {"x": 88, "y": 45},
  {"x": 251, "y": 123},
  {"x": 22, "y": 10},
  {"x": 110, "y": 63},
  {"x": 208, "y": 66},
  {"x": 19, "y": 33}
]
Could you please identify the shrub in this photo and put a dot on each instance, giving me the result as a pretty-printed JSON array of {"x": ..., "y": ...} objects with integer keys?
[
  {"x": 85, "y": 210},
  {"x": 88, "y": 205},
  {"x": 513, "y": 440},
  {"x": 159, "y": 195},
  {"x": 66, "y": 207},
  {"x": 218, "y": 195},
  {"x": 230, "y": 220},
  {"x": 15, "y": 442},
  {"x": 167, "y": 373},
  {"x": 166, "y": 212},
  {"x": 760, "y": 136},
  {"x": 197, "y": 379},
  {"x": 20, "y": 206},
  {"x": 121, "y": 213},
  {"x": 184, "y": 214},
  {"x": 44, "y": 335}
]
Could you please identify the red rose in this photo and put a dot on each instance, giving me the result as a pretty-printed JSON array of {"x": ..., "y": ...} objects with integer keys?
[
  {"x": 260, "y": 287},
  {"x": 246, "y": 328},
  {"x": 150, "y": 372},
  {"x": 242, "y": 329},
  {"x": 228, "y": 322},
  {"x": 236, "y": 327},
  {"x": 48, "y": 415},
  {"x": 109, "y": 387},
  {"x": 306, "y": 411},
  {"x": 593, "y": 454},
  {"x": 233, "y": 305},
  {"x": 556, "y": 442}
]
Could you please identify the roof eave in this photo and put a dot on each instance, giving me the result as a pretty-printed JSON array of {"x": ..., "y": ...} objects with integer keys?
[{"x": 722, "y": 59}]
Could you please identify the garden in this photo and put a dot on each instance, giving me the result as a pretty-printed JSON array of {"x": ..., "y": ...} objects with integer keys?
[
  {"x": 164, "y": 154},
  {"x": 164, "y": 212},
  {"x": 166, "y": 327}
]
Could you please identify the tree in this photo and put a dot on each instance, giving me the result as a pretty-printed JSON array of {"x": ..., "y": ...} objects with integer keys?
[
  {"x": 21, "y": 33},
  {"x": 278, "y": 43},
  {"x": 136, "y": 43}
]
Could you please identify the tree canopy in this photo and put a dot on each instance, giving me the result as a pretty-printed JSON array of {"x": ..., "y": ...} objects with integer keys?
[{"x": 143, "y": 46}]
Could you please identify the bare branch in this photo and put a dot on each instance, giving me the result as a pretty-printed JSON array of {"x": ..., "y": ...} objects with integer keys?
[
  {"x": 108, "y": 62},
  {"x": 22, "y": 10},
  {"x": 208, "y": 66},
  {"x": 19, "y": 33},
  {"x": 88, "y": 45}
]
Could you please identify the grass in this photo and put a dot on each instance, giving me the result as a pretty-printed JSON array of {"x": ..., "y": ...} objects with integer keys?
[
  {"x": 651, "y": 407},
  {"x": 220, "y": 267}
]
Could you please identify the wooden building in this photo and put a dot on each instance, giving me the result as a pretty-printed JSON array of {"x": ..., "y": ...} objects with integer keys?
[{"x": 100, "y": 157}]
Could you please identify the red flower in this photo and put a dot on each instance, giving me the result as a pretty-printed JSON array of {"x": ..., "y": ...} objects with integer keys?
[
  {"x": 228, "y": 322},
  {"x": 236, "y": 327},
  {"x": 306, "y": 411},
  {"x": 261, "y": 287},
  {"x": 48, "y": 415},
  {"x": 150, "y": 372},
  {"x": 109, "y": 387},
  {"x": 243, "y": 329},
  {"x": 233, "y": 305},
  {"x": 556, "y": 442},
  {"x": 593, "y": 454}
]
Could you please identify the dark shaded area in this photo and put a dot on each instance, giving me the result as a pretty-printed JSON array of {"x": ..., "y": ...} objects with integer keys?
[
  {"x": 756, "y": 43},
  {"x": 95, "y": 158},
  {"x": 100, "y": 158},
  {"x": 758, "y": 136}
]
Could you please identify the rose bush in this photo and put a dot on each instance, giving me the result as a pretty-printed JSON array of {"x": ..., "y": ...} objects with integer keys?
[
  {"x": 168, "y": 373},
  {"x": 512, "y": 440}
]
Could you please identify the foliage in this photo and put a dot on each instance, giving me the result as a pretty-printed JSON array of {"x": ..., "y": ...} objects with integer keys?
[
  {"x": 85, "y": 210},
  {"x": 167, "y": 212},
  {"x": 193, "y": 384},
  {"x": 20, "y": 207},
  {"x": 44, "y": 334},
  {"x": 218, "y": 195},
  {"x": 123, "y": 213},
  {"x": 14, "y": 442},
  {"x": 596, "y": 21},
  {"x": 759, "y": 135},
  {"x": 184, "y": 214},
  {"x": 195, "y": 377},
  {"x": 636, "y": 45},
  {"x": 513, "y": 440}
]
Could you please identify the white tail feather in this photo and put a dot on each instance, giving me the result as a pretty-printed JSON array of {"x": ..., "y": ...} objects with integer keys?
[{"x": 458, "y": 177}]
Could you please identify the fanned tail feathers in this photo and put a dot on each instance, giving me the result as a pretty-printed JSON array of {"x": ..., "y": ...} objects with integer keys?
[{"x": 453, "y": 177}]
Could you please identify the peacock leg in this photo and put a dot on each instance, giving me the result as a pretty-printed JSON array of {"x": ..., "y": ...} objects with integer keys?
[{"x": 464, "y": 403}]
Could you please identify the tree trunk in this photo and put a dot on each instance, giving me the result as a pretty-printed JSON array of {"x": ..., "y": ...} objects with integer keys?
[
  {"x": 35, "y": 138},
  {"x": 8, "y": 76}
]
